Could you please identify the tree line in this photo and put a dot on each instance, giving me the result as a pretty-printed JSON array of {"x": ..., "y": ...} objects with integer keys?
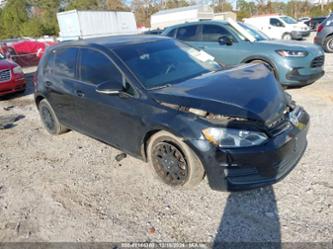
[{"x": 35, "y": 18}]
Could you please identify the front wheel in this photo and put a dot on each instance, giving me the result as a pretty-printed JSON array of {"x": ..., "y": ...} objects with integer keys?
[
  {"x": 328, "y": 44},
  {"x": 269, "y": 66},
  {"x": 173, "y": 161},
  {"x": 286, "y": 36}
]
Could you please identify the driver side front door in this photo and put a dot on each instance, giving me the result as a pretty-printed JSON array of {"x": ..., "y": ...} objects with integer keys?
[
  {"x": 114, "y": 119},
  {"x": 223, "y": 53}
]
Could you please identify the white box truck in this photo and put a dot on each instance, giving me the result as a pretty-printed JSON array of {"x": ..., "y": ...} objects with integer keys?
[
  {"x": 166, "y": 18},
  {"x": 76, "y": 24}
]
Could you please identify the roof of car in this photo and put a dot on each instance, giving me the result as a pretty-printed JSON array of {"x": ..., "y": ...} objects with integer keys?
[
  {"x": 112, "y": 42},
  {"x": 198, "y": 22}
]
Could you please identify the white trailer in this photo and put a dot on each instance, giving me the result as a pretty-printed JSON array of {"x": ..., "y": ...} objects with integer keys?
[
  {"x": 76, "y": 24},
  {"x": 166, "y": 18}
]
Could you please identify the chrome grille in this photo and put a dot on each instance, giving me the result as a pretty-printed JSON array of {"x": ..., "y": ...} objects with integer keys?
[
  {"x": 5, "y": 75},
  {"x": 318, "y": 61}
]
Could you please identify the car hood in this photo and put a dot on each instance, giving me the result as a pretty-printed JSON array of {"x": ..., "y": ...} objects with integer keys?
[
  {"x": 5, "y": 64},
  {"x": 291, "y": 45},
  {"x": 248, "y": 91}
]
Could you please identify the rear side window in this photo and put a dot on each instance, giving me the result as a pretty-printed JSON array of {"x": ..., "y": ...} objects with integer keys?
[
  {"x": 97, "y": 68},
  {"x": 276, "y": 22},
  {"x": 188, "y": 33},
  {"x": 65, "y": 62},
  {"x": 212, "y": 33},
  {"x": 48, "y": 65}
]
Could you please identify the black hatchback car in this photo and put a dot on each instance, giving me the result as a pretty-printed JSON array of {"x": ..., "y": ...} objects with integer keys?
[{"x": 174, "y": 106}]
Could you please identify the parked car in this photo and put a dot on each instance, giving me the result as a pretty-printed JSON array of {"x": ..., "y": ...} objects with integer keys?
[
  {"x": 324, "y": 36},
  {"x": 279, "y": 27},
  {"x": 293, "y": 63},
  {"x": 304, "y": 19},
  {"x": 174, "y": 106},
  {"x": 27, "y": 53},
  {"x": 11, "y": 77},
  {"x": 153, "y": 32},
  {"x": 314, "y": 22}
]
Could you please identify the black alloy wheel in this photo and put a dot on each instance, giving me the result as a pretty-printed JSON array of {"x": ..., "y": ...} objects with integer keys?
[{"x": 170, "y": 163}]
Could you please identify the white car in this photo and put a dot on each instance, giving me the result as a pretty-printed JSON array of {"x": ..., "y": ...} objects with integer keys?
[{"x": 279, "y": 27}]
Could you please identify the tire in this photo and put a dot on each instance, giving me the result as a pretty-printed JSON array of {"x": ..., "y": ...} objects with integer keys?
[
  {"x": 270, "y": 67},
  {"x": 49, "y": 119},
  {"x": 328, "y": 44},
  {"x": 286, "y": 36},
  {"x": 173, "y": 161}
]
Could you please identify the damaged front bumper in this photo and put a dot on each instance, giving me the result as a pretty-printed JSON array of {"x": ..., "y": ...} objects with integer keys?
[{"x": 253, "y": 167}]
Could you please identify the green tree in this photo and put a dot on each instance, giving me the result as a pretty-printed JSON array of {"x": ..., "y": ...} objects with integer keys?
[
  {"x": 116, "y": 5},
  {"x": 45, "y": 11},
  {"x": 222, "y": 6},
  {"x": 246, "y": 9},
  {"x": 32, "y": 28},
  {"x": 13, "y": 16},
  {"x": 83, "y": 5}
]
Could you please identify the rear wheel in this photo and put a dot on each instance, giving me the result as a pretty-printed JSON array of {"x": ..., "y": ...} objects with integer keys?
[
  {"x": 173, "y": 161},
  {"x": 328, "y": 44},
  {"x": 49, "y": 119}
]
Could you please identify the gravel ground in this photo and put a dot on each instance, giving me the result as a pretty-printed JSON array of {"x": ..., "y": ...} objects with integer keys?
[{"x": 71, "y": 188}]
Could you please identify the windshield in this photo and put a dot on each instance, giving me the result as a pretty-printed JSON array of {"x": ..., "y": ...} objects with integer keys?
[
  {"x": 288, "y": 20},
  {"x": 165, "y": 62},
  {"x": 259, "y": 36}
]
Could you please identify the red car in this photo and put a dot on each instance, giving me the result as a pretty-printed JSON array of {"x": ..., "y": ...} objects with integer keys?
[{"x": 11, "y": 77}]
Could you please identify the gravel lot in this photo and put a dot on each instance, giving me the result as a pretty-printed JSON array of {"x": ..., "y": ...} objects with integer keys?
[{"x": 71, "y": 188}]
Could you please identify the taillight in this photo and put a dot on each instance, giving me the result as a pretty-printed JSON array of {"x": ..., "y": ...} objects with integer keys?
[{"x": 320, "y": 28}]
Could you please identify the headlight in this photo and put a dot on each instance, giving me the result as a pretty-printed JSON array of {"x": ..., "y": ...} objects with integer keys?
[
  {"x": 233, "y": 138},
  {"x": 17, "y": 70},
  {"x": 292, "y": 53}
]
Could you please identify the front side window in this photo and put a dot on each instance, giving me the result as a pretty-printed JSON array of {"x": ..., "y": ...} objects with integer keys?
[
  {"x": 172, "y": 33},
  {"x": 259, "y": 36},
  {"x": 165, "y": 62},
  {"x": 96, "y": 68},
  {"x": 212, "y": 33},
  {"x": 276, "y": 22},
  {"x": 288, "y": 19},
  {"x": 65, "y": 62},
  {"x": 188, "y": 33}
]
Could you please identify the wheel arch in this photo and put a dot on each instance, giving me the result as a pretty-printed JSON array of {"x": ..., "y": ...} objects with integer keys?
[
  {"x": 149, "y": 134},
  {"x": 264, "y": 59},
  {"x": 38, "y": 99},
  {"x": 285, "y": 33}
]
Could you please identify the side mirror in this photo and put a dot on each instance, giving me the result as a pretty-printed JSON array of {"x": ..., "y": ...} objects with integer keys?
[
  {"x": 225, "y": 40},
  {"x": 110, "y": 88}
]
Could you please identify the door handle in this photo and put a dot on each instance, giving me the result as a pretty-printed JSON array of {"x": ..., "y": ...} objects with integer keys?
[
  {"x": 79, "y": 93},
  {"x": 203, "y": 47}
]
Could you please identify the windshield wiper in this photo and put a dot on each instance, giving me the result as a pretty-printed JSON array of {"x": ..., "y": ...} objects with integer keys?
[{"x": 160, "y": 87}]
